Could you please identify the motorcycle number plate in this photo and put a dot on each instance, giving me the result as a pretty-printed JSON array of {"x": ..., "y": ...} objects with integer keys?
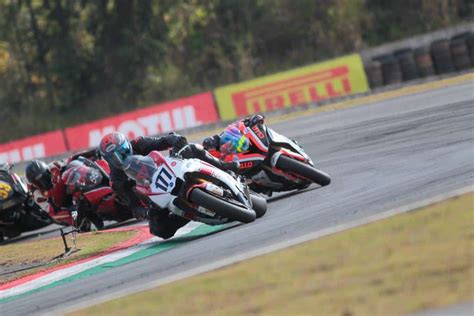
[
  {"x": 164, "y": 181},
  {"x": 6, "y": 190}
]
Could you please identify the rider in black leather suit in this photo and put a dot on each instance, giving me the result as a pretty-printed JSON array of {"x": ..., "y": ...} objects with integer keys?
[{"x": 115, "y": 148}]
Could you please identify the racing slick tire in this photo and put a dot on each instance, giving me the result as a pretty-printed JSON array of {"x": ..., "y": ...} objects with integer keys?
[
  {"x": 303, "y": 170},
  {"x": 222, "y": 207},
  {"x": 259, "y": 205}
]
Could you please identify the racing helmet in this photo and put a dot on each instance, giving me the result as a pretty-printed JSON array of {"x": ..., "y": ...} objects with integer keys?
[
  {"x": 80, "y": 177},
  {"x": 38, "y": 174},
  {"x": 232, "y": 141},
  {"x": 115, "y": 148},
  {"x": 211, "y": 142}
]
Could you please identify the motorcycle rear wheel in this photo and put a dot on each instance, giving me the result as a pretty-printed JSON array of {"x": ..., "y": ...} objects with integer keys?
[
  {"x": 304, "y": 170},
  {"x": 221, "y": 207}
]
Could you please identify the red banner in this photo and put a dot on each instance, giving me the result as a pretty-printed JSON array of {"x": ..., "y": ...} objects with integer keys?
[
  {"x": 39, "y": 146},
  {"x": 161, "y": 118}
]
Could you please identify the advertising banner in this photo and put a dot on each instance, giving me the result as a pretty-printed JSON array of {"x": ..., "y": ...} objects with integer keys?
[
  {"x": 161, "y": 118},
  {"x": 39, "y": 146},
  {"x": 333, "y": 78}
]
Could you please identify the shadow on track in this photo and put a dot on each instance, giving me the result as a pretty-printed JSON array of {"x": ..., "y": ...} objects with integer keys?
[
  {"x": 289, "y": 194},
  {"x": 129, "y": 222}
]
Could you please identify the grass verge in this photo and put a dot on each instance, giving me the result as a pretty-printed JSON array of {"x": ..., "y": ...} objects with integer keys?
[
  {"x": 400, "y": 265},
  {"x": 41, "y": 252}
]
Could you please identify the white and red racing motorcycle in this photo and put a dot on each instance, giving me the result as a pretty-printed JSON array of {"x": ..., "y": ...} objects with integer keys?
[
  {"x": 193, "y": 189},
  {"x": 274, "y": 163}
]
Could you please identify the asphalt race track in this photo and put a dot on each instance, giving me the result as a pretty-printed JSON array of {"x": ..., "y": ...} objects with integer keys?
[{"x": 380, "y": 156}]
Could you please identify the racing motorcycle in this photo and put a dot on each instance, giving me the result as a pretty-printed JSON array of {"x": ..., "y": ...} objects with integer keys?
[
  {"x": 193, "y": 189},
  {"x": 93, "y": 199},
  {"x": 18, "y": 211},
  {"x": 275, "y": 163}
]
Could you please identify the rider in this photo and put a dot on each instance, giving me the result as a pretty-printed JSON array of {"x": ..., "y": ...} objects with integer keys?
[
  {"x": 46, "y": 185},
  {"x": 233, "y": 145},
  {"x": 231, "y": 141},
  {"x": 115, "y": 148}
]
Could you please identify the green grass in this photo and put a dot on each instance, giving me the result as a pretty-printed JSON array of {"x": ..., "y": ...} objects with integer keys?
[
  {"x": 407, "y": 263},
  {"x": 19, "y": 255}
]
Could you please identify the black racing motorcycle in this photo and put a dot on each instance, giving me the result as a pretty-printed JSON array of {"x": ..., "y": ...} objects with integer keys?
[{"x": 18, "y": 211}]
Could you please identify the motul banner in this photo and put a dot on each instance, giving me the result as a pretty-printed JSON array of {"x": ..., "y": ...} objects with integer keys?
[
  {"x": 39, "y": 146},
  {"x": 161, "y": 118},
  {"x": 333, "y": 78}
]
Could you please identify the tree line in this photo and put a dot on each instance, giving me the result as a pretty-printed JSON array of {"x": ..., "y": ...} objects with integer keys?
[{"x": 63, "y": 62}]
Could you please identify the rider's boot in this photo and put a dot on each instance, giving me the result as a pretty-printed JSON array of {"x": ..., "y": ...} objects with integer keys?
[
  {"x": 96, "y": 220},
  {"x": 165, "y": 226}
]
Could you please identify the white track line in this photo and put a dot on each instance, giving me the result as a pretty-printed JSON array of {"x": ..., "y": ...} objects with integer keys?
[{"x": 58, "y": 275}]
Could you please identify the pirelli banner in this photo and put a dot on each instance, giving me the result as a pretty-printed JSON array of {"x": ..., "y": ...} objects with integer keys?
[{"x": 333, "y": 78}]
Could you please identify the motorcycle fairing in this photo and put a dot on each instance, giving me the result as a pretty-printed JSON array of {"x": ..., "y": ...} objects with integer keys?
[
  {"x": 262, "y": 179},
  {"x": 173, "y": 169},
  {"x": 6, "y": 191},
  {"x": 249, "y": 162},
  {"x": 100, "y": 196},
  {"x": 258, "y": 136},
  {"x": 14, "y": 189},
  {"x": 284, "y": 142}
]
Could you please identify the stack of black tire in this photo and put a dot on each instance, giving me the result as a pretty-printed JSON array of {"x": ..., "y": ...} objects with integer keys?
[{"x": 441, "y": 57}]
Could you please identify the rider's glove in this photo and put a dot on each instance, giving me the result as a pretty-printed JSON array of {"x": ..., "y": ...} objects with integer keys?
[
  {"x": 176, "y": 141},
  {"x": 30, "y": 201}
]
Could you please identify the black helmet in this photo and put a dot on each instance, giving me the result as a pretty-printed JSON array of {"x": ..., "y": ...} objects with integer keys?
[
  {"x": 38, "y": 174},
  {"x": 211, "y": 142}
]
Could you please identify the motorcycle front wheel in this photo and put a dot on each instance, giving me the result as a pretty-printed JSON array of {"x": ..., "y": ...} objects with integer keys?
[
  {"x": 303, "y": 170},
  {"x": 259, "y": 205},
  {"x": 222, "y": 207}
]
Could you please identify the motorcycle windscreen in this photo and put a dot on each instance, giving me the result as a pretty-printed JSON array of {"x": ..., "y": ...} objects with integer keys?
[
  {"x": 281, "y": 139},
  {"x": 140, "y": 168}
]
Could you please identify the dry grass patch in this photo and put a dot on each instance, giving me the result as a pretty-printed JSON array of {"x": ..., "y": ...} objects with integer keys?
[
  {"x": 396, "y": 266},
  {"x": 41, "y": 252}
]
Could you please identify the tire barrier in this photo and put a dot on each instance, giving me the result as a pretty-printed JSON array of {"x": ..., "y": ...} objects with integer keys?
[
  {"x": 406, "y": 60},
  {"x": 442, "y": 59},
  {"x": 460, "y": 52},
  {"x": 470, "y": 47},
  {"x": 373, "y": 69},
  {"x": 423, "y": 61},
  {"x": 390, "y": 69},
  {"x": 441, "y": 56}
]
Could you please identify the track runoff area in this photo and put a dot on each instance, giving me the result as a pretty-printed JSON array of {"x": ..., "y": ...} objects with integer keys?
[{"x": 384, "y": 152}]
